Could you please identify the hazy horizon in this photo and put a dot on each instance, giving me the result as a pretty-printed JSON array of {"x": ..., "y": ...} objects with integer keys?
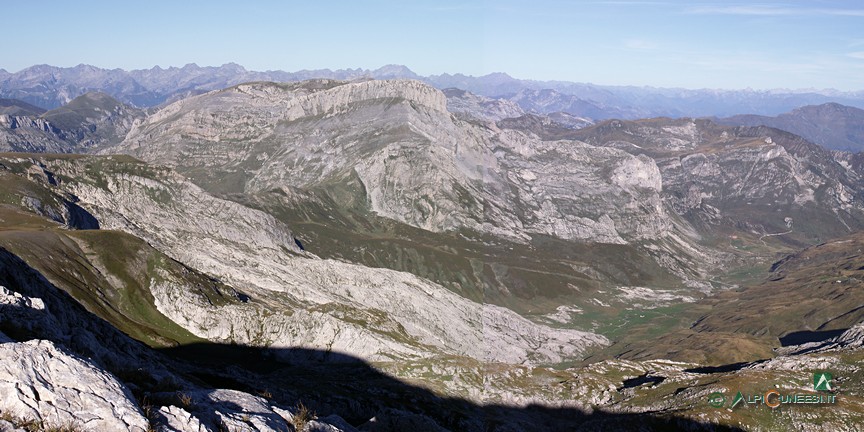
[
  {"x": 665, "y": 44},
  {"x": 169, "y": 67}
]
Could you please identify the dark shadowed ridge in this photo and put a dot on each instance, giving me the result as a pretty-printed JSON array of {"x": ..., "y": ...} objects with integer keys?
[{"x": 14, "y": 107}]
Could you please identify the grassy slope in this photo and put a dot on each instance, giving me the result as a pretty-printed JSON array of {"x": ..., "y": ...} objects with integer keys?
[
  {"x": 76, "y": 113},
  {"x": 104, "y": 270},
  {"x": 530, "y": 279},
  {"x": 109, "y": 272},
  {"x": 819, "y": 289}
]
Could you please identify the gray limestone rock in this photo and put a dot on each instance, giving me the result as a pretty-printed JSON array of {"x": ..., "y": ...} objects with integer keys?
[
  {"x": 303, "y": 301},
  {"x": 207, "y": 410},
  {"x": 40, "y": 381}
]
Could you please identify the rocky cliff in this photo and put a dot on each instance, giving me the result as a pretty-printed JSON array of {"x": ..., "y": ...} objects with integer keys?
[
  {"x": 297, "y": 300},
  {"x": 415, "y": 162},
  {"x": 391, "y": 148}
]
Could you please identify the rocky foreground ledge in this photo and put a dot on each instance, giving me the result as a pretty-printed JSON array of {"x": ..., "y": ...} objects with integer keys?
[
  {"x": 66, "y": 379},
  {"x": 45, "y": 387},
  {"x": 63, "y": 369}
]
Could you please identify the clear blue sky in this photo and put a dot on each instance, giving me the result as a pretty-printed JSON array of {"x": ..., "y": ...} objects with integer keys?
[{"x": 692, "y": 44}]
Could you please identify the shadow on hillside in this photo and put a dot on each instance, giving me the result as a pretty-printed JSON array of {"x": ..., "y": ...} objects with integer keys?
[
  {"x": 329, "y": 383},
  {"x": 349, "y": 387},
  {"x": 802, "y": 337},
  {"x": 731, "y": 367}
]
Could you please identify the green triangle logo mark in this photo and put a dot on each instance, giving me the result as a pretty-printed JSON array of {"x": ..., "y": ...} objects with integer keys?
[
  {"x": 738, "y": 398},
  {"x": 822, "y": 381}
]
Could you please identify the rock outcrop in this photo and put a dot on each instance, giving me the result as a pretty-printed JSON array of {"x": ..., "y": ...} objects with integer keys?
[
  {"x": 480, "y": 107},
  {"x": 42, "y": 382},
  {"x": 298, "y": 299},
  {"x": 409, "y": 160}
]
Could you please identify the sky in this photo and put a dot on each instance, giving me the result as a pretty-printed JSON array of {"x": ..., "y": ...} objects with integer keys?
[{"x": 691, "y": 44}]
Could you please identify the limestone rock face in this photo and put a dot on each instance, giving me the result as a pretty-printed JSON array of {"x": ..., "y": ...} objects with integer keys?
[
  {"x": 480, "y": 107},
  {"x": 667, "y": 187},
  {"x": 233, "y": 410},
  {"x": 572, "y": 190},
  {"x": 39, "y": 381},
  {"x": 852, "y": 338},
  {"x": 417, "y": 163},
  {"x": 297, "y": 299},
  {"x": 253, "y": 109},
  {"x": 29, "y": 134},
  {"x": 413, "y": 327},
  {"x": 37, "y": 310},
  {"x": 53, "y": 384}
]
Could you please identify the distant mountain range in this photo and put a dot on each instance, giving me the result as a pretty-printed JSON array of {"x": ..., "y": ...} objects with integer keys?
[
  {"x": 830, "y": 125},
  {"x": 96, "y": 120},
  {"x": 50, "y": 87}
]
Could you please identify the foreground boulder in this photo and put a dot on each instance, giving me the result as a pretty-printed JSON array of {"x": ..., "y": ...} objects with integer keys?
[{"x": 42, "y": 382}]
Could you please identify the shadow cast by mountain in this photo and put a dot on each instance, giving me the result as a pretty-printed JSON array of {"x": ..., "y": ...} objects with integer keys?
[
  {"x": 79, "y": 218},
  {"x": 806, "y": 336},
  {"x": 731, "y": 367},
  {"x": 327, "y": 382},
  {"x": 642, "y": 380},
  {"x": 356, "y": 391}
]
